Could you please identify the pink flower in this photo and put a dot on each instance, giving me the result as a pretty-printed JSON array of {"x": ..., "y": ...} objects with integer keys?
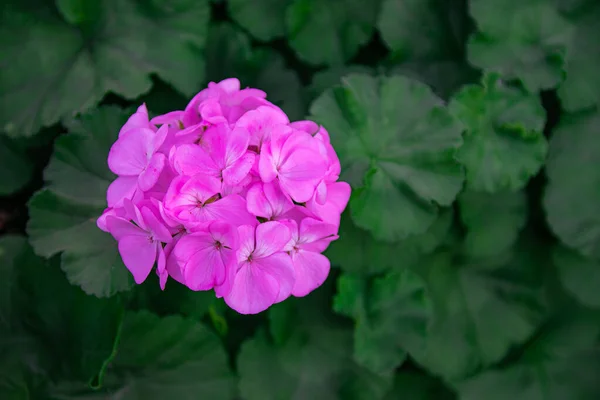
[
  {"x": 265, "y": 275},
  {"x": 308, "y": 241},
  {"x": 207, "y": 258},
  {"x": 293, "y": 158},
  {"x": 196, "y": 200},
  {"x": 224, "y": 155},
  {"x": 226, "y": 195},
  {"x": 140, "y": 242},
  {"x": 134, "y": 154}
]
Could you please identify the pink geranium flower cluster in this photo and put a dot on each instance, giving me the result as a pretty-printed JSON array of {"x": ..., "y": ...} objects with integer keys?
[{"x": 227, "y": 194}]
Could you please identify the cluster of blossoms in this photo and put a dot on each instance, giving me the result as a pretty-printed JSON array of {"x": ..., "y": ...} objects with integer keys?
[{"x": 226, "y": 195}]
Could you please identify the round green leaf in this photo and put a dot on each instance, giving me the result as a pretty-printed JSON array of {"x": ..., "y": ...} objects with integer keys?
[
  {"x": 264, "y": 19},
  {"x": 163, "y": 358},
  {"x": 482, "y": 308},
  {"x": 63, "y": 215},
  {"x": 330, "y": 31},
  {"x": 524, "y": 40},
  {"x": 581, "y": 88},
  {"x": 563, "y": 362},
  {"x": 15, "y": 167},
  {"x": 396, "y": 142},
  {"x": 504, "y": 144},
  {"x": 414, "y": 385},
  {"x": 492, "y": 221},
  {"x": 324, "y": 79},
  {"x": 579, "y": 275},
  {"x": 572, "y": 195},
  {"x": 229, "y": 53},
  {"x": 53, "y": 69}
]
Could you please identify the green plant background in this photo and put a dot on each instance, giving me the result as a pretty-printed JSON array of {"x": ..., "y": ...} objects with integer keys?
[{"x": 468, "y": 265}]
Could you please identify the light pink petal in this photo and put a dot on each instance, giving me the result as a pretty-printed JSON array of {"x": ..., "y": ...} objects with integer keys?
[
  {"x": 312, "y": 230},
  {"x": 224, "y": 233},
  {"x": 252, "y": 291},
  {"x": 211, "y": 112},
  {"x": 138, "y": 254},
  {"x": 158, "y": 229},
  {"x": 132, "y": 212},
  {"x": 130, "y": 154},
  {"x": 236, "y": 146},
  {"x": 271, "y": 237},
  {"x": 138, "y": 120},
  {"x": 230, "y": 85},
  {"x": 120, "y": 228},
  {"x": 204, "y": 269},
  {"x": 259, "y": 123},
  {"x": 309, "y": 127},
  {"x": 266, "y": 165},
  {"x": 172, "y": 265},
  {"x": 299, "y": 190},
  {"x": 231, "y": 209},
  {"x": 150, "y": 175},
  {"x": 257, "y": 203},
  {"x": 161, "y": 268},
  {"x": 311, "y": 270},
  {"x": 171, "y": 118},
  {"x": 321, "y": 193},
  {"x": 281, "y": 267},
  {"x": 246, "y": 244},
  {"x": 121, "y": 188},
  {"x": 236, "y": 172},
  {"x": 191, "y": 159}
]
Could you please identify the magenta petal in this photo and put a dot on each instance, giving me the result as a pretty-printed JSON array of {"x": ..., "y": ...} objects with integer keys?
[
  {"x": 311, "y": 270},
  {"x": 172, "y": 265},
  {"x": 150, "y": 175},
  {"x": 191, "y": 159},
  {"x": 158, "y": 229},
  {"x": 130, "y": 153},
  {"x": 231, "y": 209},
  {"x": 281, "y": 267},
  {"x": 121, "y": 188},
  {"x": 271, "y": 237},
  {"x": 161, "y": 268},
  {"x": 138, "y": 120},
  {"x": 138, "y": 254},
  {"x": 204, "y": 269},
  {"x": 252, "y": 291},
  {"x": 266, "y": 165},
  {"x": 234, "y": 174},
  {"x": 120, "y": 228}
]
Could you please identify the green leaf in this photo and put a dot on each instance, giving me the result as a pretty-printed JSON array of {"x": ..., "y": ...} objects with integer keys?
[
  {"x": 391, "y": 318},
  {"x": 15, "y": 167},
  {"x": 53, "y": 69},
  {"x": 357, "y": 252},
  {"x": 418, "y": 386},
  {"x": 163, "y": 358},
  {"x": 579, "y": 275},
  {"x": 78, "y": 332},
  {"x": 324, "y": 79},
  {"x": 571, "y": 198},
  {"x": 504, "y": 144},
  {"x": 581, "y": 88},
  {"x": 76, "y": 12},
  {"x": 264, "y": 19},
  {"x": 63, "y": 215},
  {"x": 230, "y": 54},
  {"x": 398, "y": 155},
  {"x": 524, "y": 40},
  {"x": 310, "y": 361},
  {"x": 563, "y": 362},
  {"x": 330, "y": 31},
  {"x": 492, "y": 221},
  {"x": 482, "y": 308}
]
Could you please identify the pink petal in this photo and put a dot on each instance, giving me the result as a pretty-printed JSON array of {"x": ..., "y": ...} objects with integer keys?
[
  {"x": 236, "y": 172},
  {"x": 121, "y": 188},
  {"x": 211, "y": 112},
  {"x": 230, "y": 85},
  {"x": 266, "y": 165},
  {"x": 281, "y": 267},
  {"x": 309, "y": 127},
  {"x": 120, "y": 228},
  {"x": 311, "y": 270},
  {"x": 172, "y": 265},
  {"x": 271, "y": 237},
  {"x": 158, "y": 229},
  {"x": 138, "y": 254},
  {"x": 204, "y": 269},
  {"x": 246, "y": 244},
  {"x": 312, "y": 230},
  {"x": 150, "y": 175},
  {"x": 258, "y": 124},
  {"x": 252, "y": 291},
  {"x": 172, "y": 118},
  {"x": 231, "y": 209},
  {"x": 130, "y": 154},
  {"x": 161, "y": 268},
  {"x": 191, "y": 159},
  {"x": 138, "y": 120},
  {"x": 237, "y": 145}
]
